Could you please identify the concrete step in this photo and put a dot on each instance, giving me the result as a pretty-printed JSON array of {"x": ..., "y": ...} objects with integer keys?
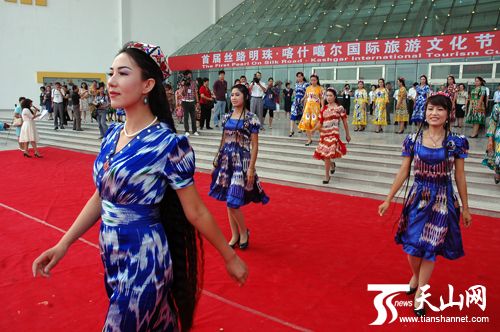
[
  {"x": 478, "y": 206},
  {"x": 288, "y": 149},
  {"x": 355, "y": 175},
  {"x": 275, "y": 141},
  {"x": 301, "y": 156},
  {"x": 367, "y": 170}
]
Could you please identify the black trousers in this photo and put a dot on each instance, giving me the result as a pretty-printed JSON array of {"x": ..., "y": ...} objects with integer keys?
[
  {"x": 410, "y": 107},
  {"x": 206, "y": 112},
  {"x": 189, "y": 111},
  {"x": 271, "y": 113}
]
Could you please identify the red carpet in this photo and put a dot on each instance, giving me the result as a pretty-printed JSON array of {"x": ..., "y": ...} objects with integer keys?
[{"x": 311, "y": 257}]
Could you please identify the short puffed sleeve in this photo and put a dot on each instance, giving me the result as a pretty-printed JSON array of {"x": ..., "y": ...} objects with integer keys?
[
  {"x": 321, "y": 115},
  {"x": 180, "y": 163},
  {"x": 254, "y": 124},
  {"x": 408, "y": 145},
  {"x": 342, "y": 112},
  {"x": 458, "y": 145}
]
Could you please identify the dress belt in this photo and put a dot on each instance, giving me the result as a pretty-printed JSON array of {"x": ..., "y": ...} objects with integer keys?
[{"x": 129, "y": 214}]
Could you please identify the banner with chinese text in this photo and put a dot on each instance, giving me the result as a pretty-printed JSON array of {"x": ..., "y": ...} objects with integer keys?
[{"x": 446, "y": 46}]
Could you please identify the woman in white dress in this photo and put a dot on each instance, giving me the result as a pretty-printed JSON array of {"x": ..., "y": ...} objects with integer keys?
[
  {"x": 29, "y": 134},
  {"x": 84, "y": 100}
]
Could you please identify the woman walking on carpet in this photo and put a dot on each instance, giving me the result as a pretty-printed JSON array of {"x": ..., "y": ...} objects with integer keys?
[
  {"x": 477, "y": 110},
  {"x": 380, "y": 102},
  {"x": 360, "y": 105},
  {"x": 29, "y": 133},
  {"x": 151, "y": 212},
  {"x": 314, "y": 102},
  {"x": 451, "y": 90},
  {"x": 330, "y": 146},
  {"x": 429, "y": 222},
  {"x": 423, "y": 90},
  {"x": 298, "y": 104},
  {"x": 492, "y": 159},
  {"x": 234, "y": 179},
  {"x": 401, "y": 108}
]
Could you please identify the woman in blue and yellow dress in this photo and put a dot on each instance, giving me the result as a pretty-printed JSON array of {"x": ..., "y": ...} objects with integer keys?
[
  {"x": 234, "y": 179},
  {"x": 298, "y": 106},
  {"x": 151, "y": 212},
  {"x": 360, "y": 105},
  {"x": 380, "y": 102},
  {"x": 429, "y": 223},
  {"x": 314, "y": 101},
  {"x": 492, "y": 159}
]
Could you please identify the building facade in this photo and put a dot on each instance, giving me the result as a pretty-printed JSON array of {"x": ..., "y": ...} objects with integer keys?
[{"x": 346, "y": 41}]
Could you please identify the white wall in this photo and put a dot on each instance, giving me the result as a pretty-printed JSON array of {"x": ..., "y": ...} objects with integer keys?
[
  {"x": 170, "y": 23},
  {"x": 53, "y": 38},
  {"x": 84, "y": 35}
]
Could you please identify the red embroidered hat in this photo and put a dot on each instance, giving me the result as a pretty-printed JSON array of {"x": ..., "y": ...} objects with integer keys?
[
  {"x": 155, "y": 53},
  {"x": 441, "y": 93}
]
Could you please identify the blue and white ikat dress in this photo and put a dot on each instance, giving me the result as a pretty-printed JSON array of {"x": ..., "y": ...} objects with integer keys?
[{"x": 133, "y": 244}]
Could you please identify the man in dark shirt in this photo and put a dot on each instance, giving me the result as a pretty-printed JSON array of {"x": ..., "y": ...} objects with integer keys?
[
  {"x": 190, "y": 102},
  {"x": 77, "y": 118},
  {"x": 220, "y": 90}
]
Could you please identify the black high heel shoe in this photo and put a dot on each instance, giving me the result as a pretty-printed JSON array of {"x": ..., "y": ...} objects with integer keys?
[
  {"x": 419, "y": 312},
  {"x": 411, "y": 291},
  {"x": 37, "y": 155},
  {"x": 244, "y": 246},
  {"x": 327, "y": 181},
  {"x": 332, "y": 170},
  {"x": 497, "y": 180},
  {"x": 291, "y": 134},
  {"x": 232, "y": 245},
  {"x": 26, "y": 154},
  {"x": 308, "y": 143}
]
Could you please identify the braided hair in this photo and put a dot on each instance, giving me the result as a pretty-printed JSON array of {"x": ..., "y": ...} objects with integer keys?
[{"x": 185, "y": 243}]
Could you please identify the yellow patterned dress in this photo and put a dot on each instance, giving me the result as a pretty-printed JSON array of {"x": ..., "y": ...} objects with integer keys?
[
  {"x": 380, "y": 111},
  {"x": 360, "y": 105},
  {"x": 402, "y": 109},
  {"x": 313, "y": 106}
]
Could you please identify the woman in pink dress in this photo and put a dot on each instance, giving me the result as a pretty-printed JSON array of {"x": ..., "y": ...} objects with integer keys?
[{"x": 330, "y": 146}]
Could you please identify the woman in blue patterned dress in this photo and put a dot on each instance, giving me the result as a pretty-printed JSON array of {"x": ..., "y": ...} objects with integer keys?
[
  {"x": 233, "y": 178},
  {"x": 151, "y": 212},
  {"x": 429, "y": 223},
  {"x": 297, "y": 106},
  {"x": 423, "y": 90}
]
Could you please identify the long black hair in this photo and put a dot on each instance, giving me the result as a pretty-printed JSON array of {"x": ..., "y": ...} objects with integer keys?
[
  {"x": 332, "y": 90},
  {"x": 246, "y": 95},
  {"x": 402, "y": 80},
  {"x": 184, "y": 242},
  {"x": 303, "y": 76},
  {"x": 452, "y": 77},
  {"x": 426, "y": 80},
  {"x": 436, "y": 100},
  {"x": 317, "y": 78}
]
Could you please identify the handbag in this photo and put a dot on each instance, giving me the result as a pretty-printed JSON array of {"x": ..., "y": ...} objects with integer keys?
[
  {"x": 93, "y": 111},
  {"x": 17, "y": 122},
  {"x": 198, "y": 113}
]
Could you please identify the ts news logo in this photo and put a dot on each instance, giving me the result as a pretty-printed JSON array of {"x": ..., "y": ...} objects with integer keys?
[{"x": 474, "y": 295}]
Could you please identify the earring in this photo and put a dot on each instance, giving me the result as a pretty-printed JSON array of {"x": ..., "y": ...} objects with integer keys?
[{"x": 145, "y": 101}]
